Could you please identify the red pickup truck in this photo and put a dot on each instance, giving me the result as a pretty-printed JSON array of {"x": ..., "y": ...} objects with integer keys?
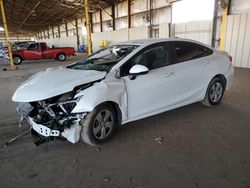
[{"x": 40, "y": 50}]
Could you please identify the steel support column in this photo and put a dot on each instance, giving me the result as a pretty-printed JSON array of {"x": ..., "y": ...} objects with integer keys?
[
  {"x": 91, "y": 21},
  {"x": 13, "y": 67},
  {"x": 48, "y": 34},
  {"x": 77, "y": 34},
  {"x": 151, "y": 19},
  {"x": 214, "y": 28},
  {"x": 129, "y": 15},
  {"x": 113, "y": 16},
  {"x": 53, "y": 33},
  {"x": 101, "y": 27},
  {"x": 86, "y": 4},
  {"x": 66, "y": 29},
  {"x": 59, "y": 32},
  {"x": 223, "y": 26}
]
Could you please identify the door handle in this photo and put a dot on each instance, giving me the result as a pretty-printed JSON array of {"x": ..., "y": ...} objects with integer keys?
[{"x": 168, "y": 74}]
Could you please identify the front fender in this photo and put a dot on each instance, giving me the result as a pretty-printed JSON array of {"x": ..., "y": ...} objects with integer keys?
[{"x": 102, "y": 92}]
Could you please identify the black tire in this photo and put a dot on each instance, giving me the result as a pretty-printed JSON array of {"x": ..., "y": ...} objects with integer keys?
[
  {"x": 91, "y": 122},
  {"x": 215, "y": 92},
  {"x": 17, "y": 60},
  {"x": 61, "y": 57}
]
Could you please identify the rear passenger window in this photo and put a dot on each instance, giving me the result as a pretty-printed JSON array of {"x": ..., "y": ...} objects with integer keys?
[{"x": 186, "y": 51}]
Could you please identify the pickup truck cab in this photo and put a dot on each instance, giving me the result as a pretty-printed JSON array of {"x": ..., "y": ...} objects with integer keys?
[{"x": 40, "y": 50}]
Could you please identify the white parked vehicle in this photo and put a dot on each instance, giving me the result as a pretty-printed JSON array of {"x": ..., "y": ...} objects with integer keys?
[{"x": 120, "y": 84}]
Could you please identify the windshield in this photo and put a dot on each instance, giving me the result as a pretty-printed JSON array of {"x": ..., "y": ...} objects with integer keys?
[
  {"x": 22, "y": 45},
  {"x": 104, "y": 59}
]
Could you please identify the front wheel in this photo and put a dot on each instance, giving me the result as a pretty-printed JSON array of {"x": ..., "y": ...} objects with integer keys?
[
  {"x": 17, "y": 60},
  {"x": 215, "y": 92},
  {"x": 99, "y": 125},
  {"x": 61, "y": 57}
]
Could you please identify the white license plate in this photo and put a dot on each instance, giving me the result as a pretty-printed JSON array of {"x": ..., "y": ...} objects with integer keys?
[{"x": 43, "y": 130}]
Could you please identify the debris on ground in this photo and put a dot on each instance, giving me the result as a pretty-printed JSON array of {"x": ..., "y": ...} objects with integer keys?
[
  {"x": 159, "y": 140},
  {"x": 106, "y": 179}
]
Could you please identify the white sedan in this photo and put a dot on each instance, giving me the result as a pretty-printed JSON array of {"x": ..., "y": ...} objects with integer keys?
[{"x": 120, "y": 84}]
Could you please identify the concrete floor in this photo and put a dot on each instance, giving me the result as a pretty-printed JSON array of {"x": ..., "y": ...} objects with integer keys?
[{"x": 201, "y": 146}]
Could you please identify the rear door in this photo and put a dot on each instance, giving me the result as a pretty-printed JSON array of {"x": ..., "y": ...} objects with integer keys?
[
  {"x": 192, "y": 70},
  {"x": 154, "y": 91},
  {"x": 33, "y": 52}
]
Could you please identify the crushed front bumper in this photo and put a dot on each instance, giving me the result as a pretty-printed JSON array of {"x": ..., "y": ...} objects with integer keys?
[
  {"x": 43, "y": 130},
  {"x": 71, "y": 133}
]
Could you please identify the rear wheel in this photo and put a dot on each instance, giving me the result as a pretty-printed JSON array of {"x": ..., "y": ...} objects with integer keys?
[
  {"x": 61, "y": 57},
  {"x": 99, "y": 125},
  {"x": 215, "y": 92},
  {"x": 17, "y": 60}
]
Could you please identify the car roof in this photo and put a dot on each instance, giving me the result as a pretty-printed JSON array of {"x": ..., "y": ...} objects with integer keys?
[{"x": 146, "y": 42}]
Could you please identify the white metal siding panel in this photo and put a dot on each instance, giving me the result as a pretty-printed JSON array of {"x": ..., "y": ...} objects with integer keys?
[
  {"x": 139, "y": 20},
  {"x": 237, "y": 39},
  {"x": 13, "y": 39},
  {"x": 235, "y": 35},
  {"x": 245, "y": 61},
  {"x": 112, "y": 37},
  {"x": 159, "y": 3},
  {"x": 240, "y": 43},
  {"x": 106, "y": 16},
  {"x": 163, "y": 31},
  {"x": 229, "y": 31},
  {"x": 121, "y": 23},
  {"x": 198, "y": 30},
  {"x": 138, "y": 33},
  {"x": 121, "y": 9},
  {"x": 69, "y": 41},
  {"x": 139, "y": 6}
]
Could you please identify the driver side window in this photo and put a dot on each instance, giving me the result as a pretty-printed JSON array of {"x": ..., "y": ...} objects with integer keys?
[
  {"x": 153, "y": 57},
  {"x": 33, "y": 46}
]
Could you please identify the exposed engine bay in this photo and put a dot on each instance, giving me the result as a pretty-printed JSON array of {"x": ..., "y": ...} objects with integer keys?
[{"x": 52, "y": 117}]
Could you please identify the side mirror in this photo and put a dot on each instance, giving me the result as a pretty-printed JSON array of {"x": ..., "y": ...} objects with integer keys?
[{"x": 137, "y": 70}]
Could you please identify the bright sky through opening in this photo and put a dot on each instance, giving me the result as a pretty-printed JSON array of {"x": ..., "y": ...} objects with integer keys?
[{"x": 192, "y": 10}]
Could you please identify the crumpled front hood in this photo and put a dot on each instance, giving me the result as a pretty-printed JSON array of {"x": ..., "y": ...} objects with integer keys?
[{"x": 53, "y": 82}]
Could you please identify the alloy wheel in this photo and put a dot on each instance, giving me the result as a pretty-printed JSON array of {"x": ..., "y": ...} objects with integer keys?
[
  {"x": 216, "y": 92},
  {"x": 103, "y": 124}
]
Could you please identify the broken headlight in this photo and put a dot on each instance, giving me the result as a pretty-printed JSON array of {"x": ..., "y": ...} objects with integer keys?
[{"x": 68, "y": 106}]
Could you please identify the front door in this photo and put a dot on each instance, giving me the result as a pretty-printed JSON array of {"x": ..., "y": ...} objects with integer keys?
[
  {"x": 33, "y": 52},
  {"x": 154, "y": 91}
]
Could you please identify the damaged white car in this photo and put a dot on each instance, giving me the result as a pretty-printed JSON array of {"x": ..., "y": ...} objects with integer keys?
[{"x": 119, "y": 84}]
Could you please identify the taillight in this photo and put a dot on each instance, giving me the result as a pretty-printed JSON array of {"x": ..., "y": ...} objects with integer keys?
[{"x": 230, "y": 58}]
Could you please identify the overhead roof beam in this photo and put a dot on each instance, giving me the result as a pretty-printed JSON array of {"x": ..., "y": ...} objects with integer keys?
[
  {"x": 27, "y": 17},
  {"x": 45, "y": 10},
  {"x": 104, "y": 10}
]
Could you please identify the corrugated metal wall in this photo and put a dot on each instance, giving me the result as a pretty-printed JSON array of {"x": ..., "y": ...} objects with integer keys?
[
  {"x": 237, "y": 41},
  {"x": 111, "y": 36},
  {"x": 163, "y": 30},
  {"x": 13, "y": 39},
  {"x": 117, "y": 36},
  {"x": 198, "y": 30},
  {"x": 63, "y": 40}
]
